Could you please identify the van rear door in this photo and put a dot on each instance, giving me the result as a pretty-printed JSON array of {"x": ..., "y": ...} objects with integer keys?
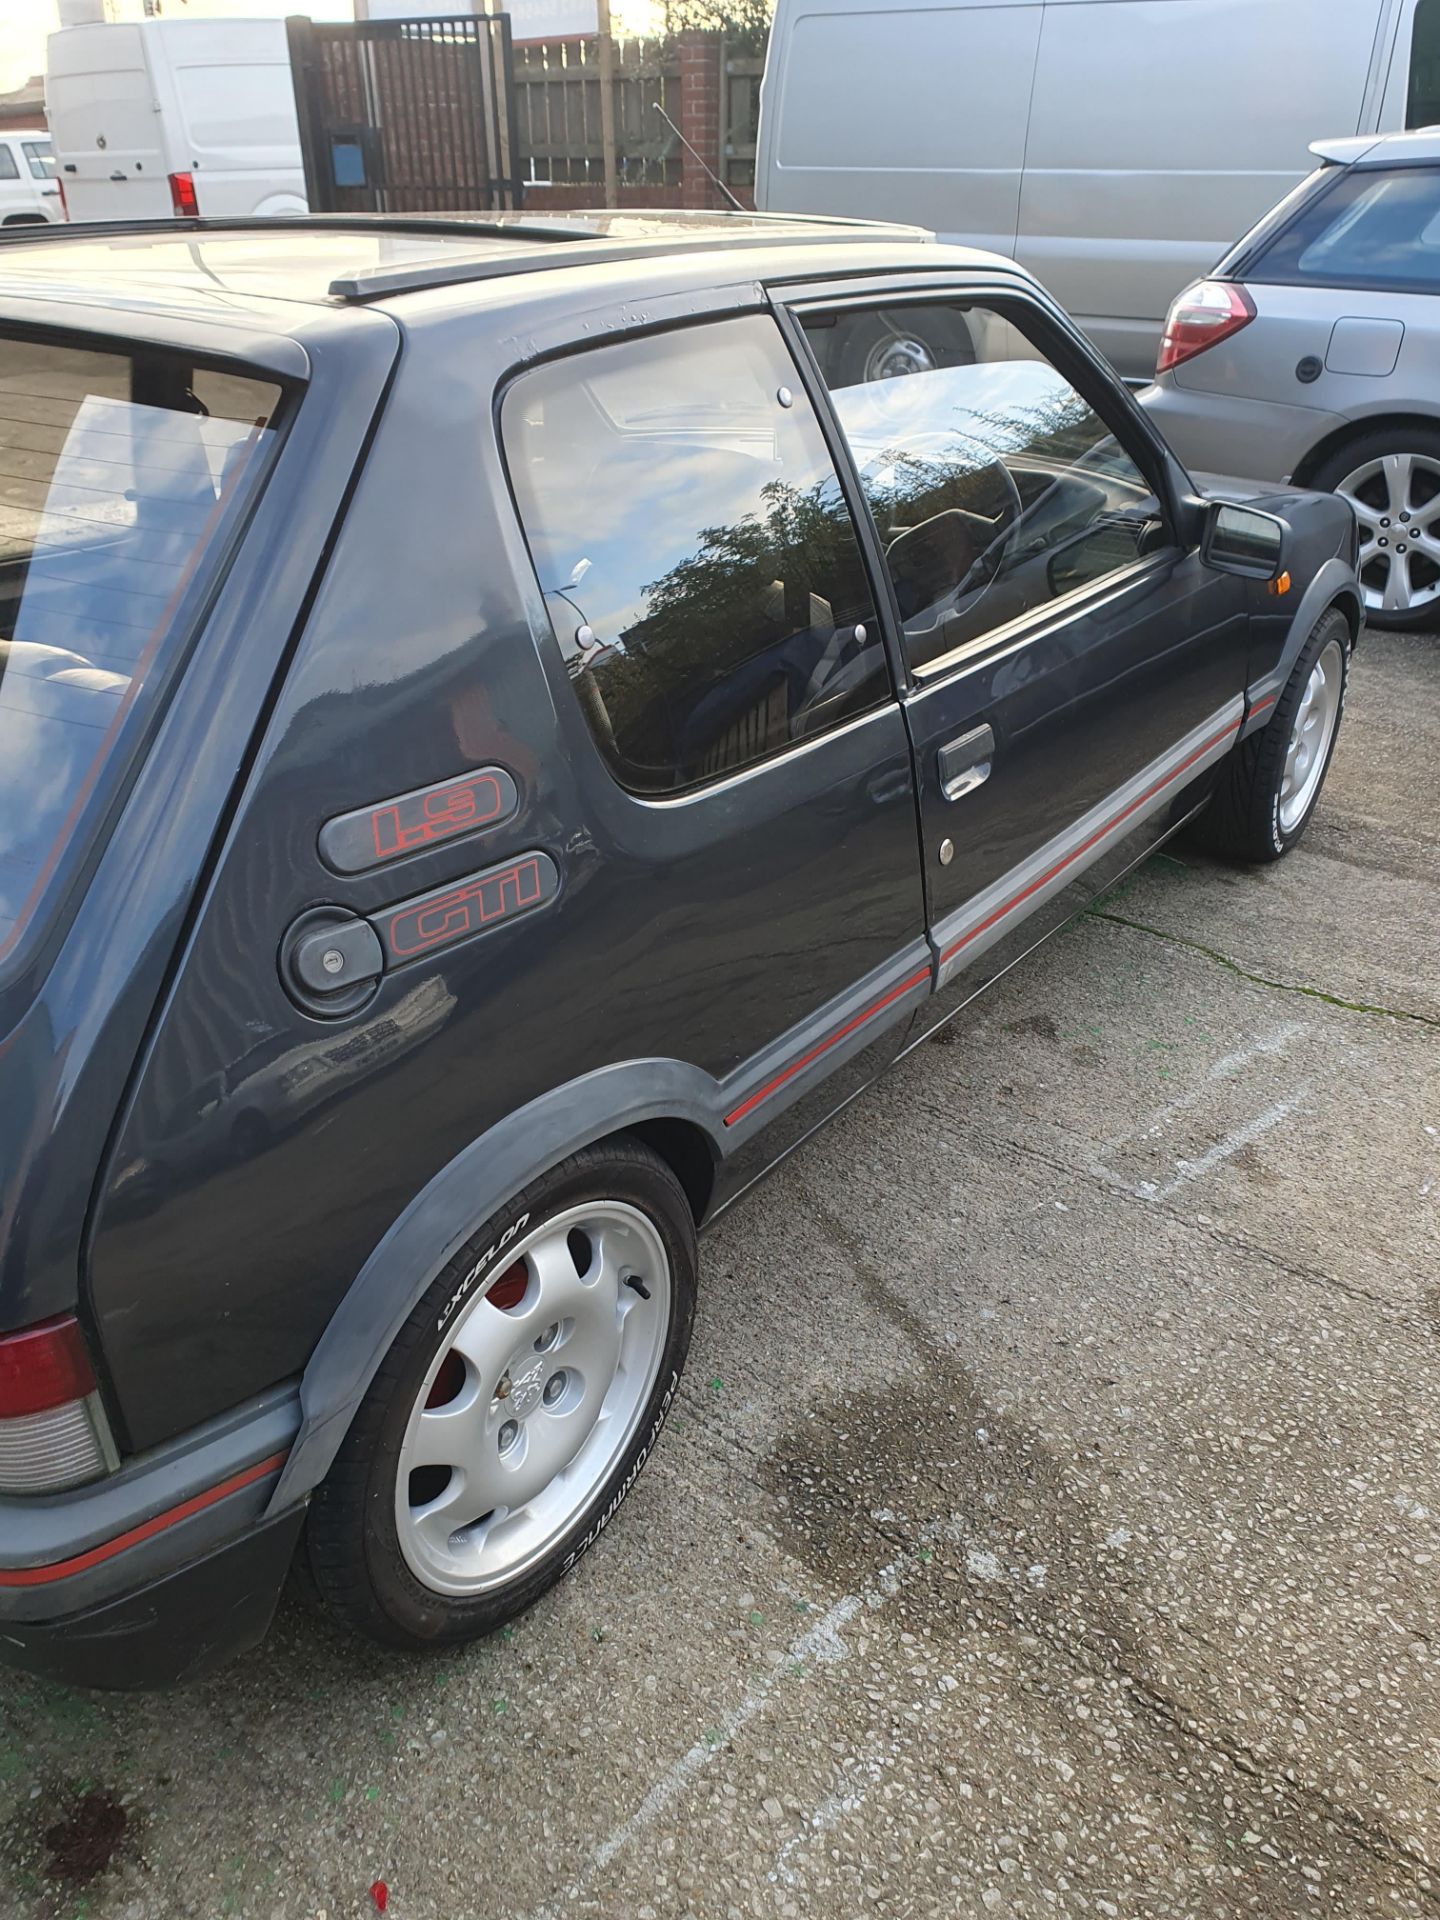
[
  {"x": 106, "y": 123},
  {"x": 235, "y": 125}
]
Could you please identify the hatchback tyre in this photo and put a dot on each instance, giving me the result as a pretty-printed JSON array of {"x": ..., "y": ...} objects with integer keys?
[
  {"x": 1391, "y": 480},
  {"x": 515, "y": 1408},
  {"x": 1271, "y": 782}
]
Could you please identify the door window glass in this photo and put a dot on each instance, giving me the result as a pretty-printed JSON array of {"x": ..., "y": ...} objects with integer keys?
[
  {"x": 697, "y": 557},
  {"x": 995, "y": 486},
  {"x": 41, "y": 157},
  {"x": 8, "y": 169},
  {"x": 1422, "y": 107}
]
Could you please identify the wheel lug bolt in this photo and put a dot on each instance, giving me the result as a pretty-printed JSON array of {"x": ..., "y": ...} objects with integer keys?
[
  {"x": 555, "y": 1387},
  {"x": 548, "y": 1337},
  {"x": 1400, "y": 547},
  {"x": 1383, "y": 541},
  {"x": 1384, "y": 523},
  {"x": 508, "y": 1435}
]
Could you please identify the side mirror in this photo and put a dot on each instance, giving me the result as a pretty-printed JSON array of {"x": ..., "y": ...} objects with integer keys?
[{"x": 1243, "y": 541}]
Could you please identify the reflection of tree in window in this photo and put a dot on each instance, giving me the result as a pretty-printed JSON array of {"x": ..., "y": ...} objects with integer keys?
[
  {"x": 742, "y": 646},
  {"x": 698, "y": 559}
]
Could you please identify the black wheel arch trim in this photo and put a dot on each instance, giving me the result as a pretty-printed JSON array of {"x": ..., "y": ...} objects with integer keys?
[{"x": 1334, "y": 585}]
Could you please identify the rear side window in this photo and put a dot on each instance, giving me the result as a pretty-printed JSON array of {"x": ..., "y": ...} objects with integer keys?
[
  {"x": 119, "y": 475},
  {"x": 8, "y": 168},
  {"x": 697, "y": 557},
  {"x": 40, "y": 157},
  {"x": 1373, "y": 228}
]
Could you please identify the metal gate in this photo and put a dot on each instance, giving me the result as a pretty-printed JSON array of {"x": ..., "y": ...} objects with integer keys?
[{"x": 407, "y": 116}]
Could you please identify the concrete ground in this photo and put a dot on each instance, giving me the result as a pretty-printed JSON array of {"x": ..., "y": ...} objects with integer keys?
[{"x": 1049, "y": 1524}]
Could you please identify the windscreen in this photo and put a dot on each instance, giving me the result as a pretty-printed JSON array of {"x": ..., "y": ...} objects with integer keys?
[{"x": 120, "y": 473}]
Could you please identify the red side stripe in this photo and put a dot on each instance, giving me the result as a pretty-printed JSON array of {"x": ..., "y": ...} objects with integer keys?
[
  {"x": 796, "y": 1066},
  {"x": 1085, "y": 845},
  {"x": 1262, "y": 706},
  {"x": 63, "y": 1569}
]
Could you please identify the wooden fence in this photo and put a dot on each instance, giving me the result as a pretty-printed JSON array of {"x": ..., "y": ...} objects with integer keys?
[{"x": 561, "y": 127}]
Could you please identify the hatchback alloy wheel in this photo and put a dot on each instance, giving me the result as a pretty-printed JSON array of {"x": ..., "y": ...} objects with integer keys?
[
  {"x": 1396, "y": 499},
  {"x": 532, "y": 1398}
]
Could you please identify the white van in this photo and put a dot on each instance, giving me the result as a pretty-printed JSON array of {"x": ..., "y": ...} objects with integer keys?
[
  {"x": 1115, "y": 147},
  {"x": 29, "y": 195},
  {"x": 161, "y": 117}
]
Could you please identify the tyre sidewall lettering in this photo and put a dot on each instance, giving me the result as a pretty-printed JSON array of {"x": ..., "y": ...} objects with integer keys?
[
  {"x": 632, "y": 1474},
  {"x": 487, "y": 1258}
]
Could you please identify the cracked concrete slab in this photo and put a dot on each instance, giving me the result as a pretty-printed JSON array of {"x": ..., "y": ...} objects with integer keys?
[{"x": 1050, "y": 1519}]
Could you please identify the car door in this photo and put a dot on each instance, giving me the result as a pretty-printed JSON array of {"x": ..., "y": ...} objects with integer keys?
[{"x": 1072, "y": 667}]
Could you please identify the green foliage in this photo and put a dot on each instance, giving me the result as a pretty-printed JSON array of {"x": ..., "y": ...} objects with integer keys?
[{"x": 743, "y": 24}]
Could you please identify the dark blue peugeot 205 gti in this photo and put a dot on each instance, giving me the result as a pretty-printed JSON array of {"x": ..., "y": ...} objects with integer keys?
[{"x": 504, "y": 728}]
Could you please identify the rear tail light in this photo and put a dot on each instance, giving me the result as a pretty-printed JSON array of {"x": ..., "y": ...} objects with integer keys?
[
  {"x": 183, "y": 203},
  {"x": 1201, "y": 316},
  {"x": 52, "y": 1428},
  {"x": 64, "y": 203}
]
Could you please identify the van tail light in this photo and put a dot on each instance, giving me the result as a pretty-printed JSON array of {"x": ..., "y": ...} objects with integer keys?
[
  {"x": 53, "y": 1432},
  {"x": 183, "y": 203},
  {"x": 1202, "y": 316}
]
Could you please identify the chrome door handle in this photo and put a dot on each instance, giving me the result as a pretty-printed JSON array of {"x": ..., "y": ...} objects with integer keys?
[{"x": 965, "y": 763}]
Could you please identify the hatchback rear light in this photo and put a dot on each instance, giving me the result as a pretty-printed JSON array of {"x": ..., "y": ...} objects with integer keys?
[
  {"x": 183, "y": 203},
  {"x": 53, "y": 1432},
  {"x": 1204, "y": 314}
]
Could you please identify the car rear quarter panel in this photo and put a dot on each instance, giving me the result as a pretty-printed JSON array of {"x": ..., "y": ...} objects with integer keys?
[{"x": 72, "y": 1022}]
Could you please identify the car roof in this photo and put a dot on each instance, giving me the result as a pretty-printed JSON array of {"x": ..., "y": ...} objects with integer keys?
[
  {"x": 329, "y": 259},
  {"x": 1380, "y": 150}
]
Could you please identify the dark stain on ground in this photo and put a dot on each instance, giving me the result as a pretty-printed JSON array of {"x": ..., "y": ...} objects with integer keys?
[
  {"x": 85, "y": 1840},
  {"x": 1040, "y": 1024},
  {"x": 61, "y": 1844},
  {"x": 1021, "y": 1566}
]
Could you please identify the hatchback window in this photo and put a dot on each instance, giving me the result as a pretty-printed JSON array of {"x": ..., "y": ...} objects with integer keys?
[
  {"x": 41, "y": 158},
  {"x": 118, "y": 476},
  {"x": 1373, "y": 228},
  {"x": 995, "y": 486},
  {"x": 697, "y": 557}
]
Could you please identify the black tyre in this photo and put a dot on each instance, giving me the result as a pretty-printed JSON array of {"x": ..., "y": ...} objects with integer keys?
[
  {"x": 1391, "y": 478},
  {"x": 515, "y": 1408},
  {"x": 1271, "y": 782}
]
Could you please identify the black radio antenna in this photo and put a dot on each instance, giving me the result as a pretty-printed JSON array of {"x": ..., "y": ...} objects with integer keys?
[{"x": 738, "y": 205}]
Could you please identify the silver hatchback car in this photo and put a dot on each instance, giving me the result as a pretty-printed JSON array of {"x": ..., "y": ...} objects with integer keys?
[{"x": 1312, "y": 355}]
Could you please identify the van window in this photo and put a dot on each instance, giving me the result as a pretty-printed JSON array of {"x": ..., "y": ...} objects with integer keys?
[
  {"x": 695, "y": 551},
  {"x": 9, "y": 170},
  {"x": 1422, "y": 105},
  {"x": 1374, "y": 227},
  {"x": 40, "y": 157},
  {"x": 117, "y": 482},
  {"x": 996, "y": 488}
]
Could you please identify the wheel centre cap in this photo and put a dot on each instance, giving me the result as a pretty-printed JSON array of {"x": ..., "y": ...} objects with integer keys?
[{"x": 527, "y": 1383}]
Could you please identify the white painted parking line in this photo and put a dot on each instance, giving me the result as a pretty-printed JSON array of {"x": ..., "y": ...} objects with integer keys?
[{"x": 859, "y": 1775}]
